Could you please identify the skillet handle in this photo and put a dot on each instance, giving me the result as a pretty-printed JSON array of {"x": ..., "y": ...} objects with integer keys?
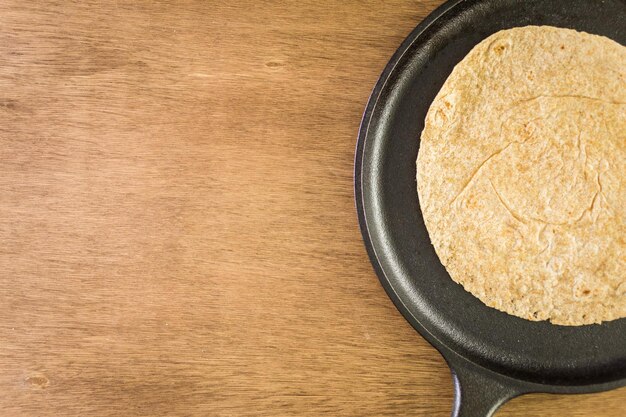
[{"x": 479, "y": 392}]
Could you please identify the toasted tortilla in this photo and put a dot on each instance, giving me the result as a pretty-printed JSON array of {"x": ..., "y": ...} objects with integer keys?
[{"x": 520, "y": 175}]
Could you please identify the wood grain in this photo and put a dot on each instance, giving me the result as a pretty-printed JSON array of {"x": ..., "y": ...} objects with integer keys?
[{"x": 177, "y": 228}]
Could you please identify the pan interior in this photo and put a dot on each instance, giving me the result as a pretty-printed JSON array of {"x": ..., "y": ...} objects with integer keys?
[{"x": 534, "y": 351}]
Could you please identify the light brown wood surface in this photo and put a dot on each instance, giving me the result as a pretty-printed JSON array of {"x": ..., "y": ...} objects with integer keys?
[{"x": 177, "y": 228}]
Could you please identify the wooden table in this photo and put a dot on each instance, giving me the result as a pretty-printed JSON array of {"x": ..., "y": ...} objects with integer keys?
[{"x": 177, "y": 227}]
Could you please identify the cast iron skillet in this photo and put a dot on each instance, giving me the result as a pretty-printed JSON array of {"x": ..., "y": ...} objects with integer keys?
[{"x": 493, "y": 356}]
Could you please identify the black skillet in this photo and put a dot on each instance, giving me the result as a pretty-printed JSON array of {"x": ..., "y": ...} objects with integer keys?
[{"x": 493, "y": 356}]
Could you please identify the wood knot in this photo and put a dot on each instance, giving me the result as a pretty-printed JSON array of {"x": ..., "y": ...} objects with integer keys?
[
  {"x": 37, "y": 381},
  {"x": 8, "y": 104},
  {"x": 274, "y": 64}
]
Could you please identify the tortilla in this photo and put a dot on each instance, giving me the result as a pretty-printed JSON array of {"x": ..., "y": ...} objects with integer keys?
[{"x": 520, "y": 175}]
